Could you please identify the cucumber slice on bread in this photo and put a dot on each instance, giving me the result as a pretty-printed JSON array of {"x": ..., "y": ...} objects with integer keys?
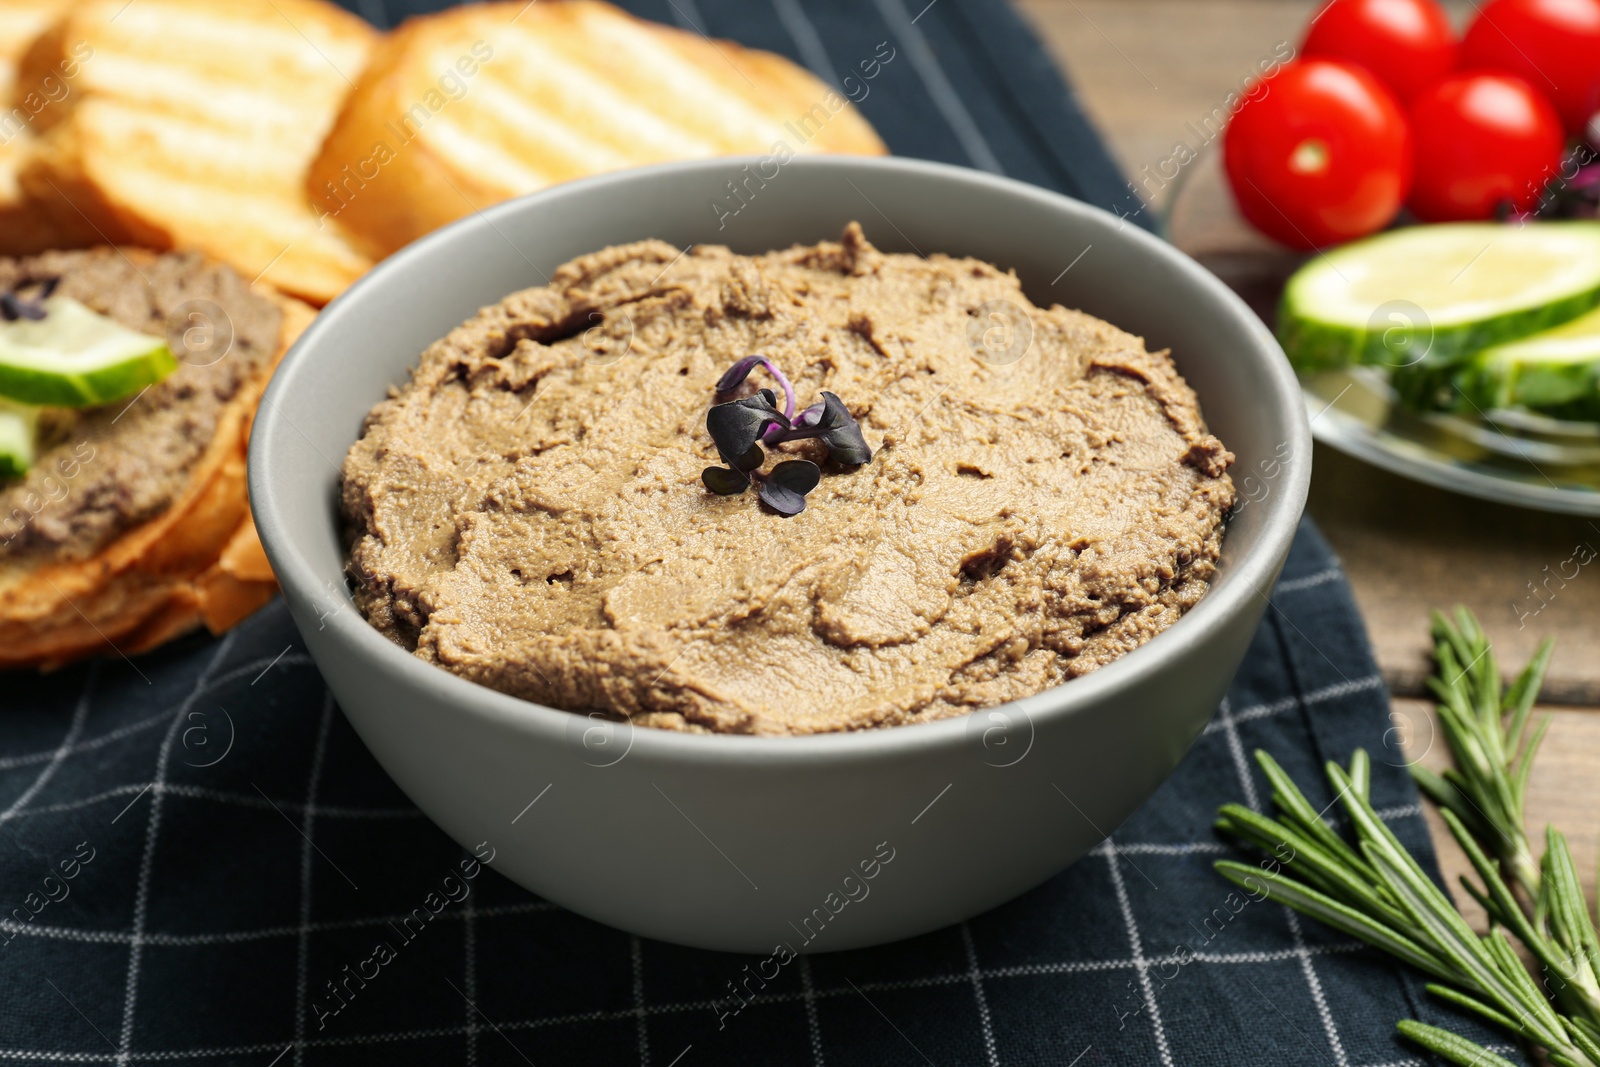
[
  {"x": 73, "y": 356},
  {"x": 18, "y": 424},
  {"x": 1434, "y": 295}
]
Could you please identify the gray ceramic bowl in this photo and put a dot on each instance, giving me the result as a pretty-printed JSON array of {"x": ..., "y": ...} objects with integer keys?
[{"x": 743, "y": 843}]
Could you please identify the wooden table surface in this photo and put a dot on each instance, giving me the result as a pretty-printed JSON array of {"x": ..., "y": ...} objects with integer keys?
[{"x": 1149, "y": 72}]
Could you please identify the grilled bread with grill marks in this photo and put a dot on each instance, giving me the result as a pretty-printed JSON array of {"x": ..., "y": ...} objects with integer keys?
[
  {"x": 464, "y": 109},
  {"x": 192, "y": 124}
]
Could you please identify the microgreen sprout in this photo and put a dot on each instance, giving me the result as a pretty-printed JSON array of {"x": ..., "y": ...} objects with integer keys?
[
  {"x": 739, "y": 427},
  {"x": 14, "y": 305},
  {"x": 736, "y": 374}
]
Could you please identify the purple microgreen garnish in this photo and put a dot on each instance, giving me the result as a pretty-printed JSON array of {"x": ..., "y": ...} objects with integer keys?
[
  {"x": 725, "y": 482},
  {"x": 811, "y": 416},
  {"x": 736, "y": 374},
  {"x": 739, "y": 427},
  {"x": 14, "y": 305},
  {"x": 750, "y": 461},
  {"x": 832, "y": 424},
  {"x": 785, "y": 489},
  {"x": 1574, "y": 192}
]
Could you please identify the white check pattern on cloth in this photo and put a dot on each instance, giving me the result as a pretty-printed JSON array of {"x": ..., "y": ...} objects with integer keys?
[{"x": 641, "y": 1014}]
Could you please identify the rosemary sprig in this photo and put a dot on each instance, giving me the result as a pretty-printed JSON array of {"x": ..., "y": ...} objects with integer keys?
[
  {"x": 1485, "y": 730},
  {"x": 1371, "y": 888}
]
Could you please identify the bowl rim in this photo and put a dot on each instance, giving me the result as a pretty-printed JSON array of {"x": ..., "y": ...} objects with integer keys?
[{"x": 1254, "y": 572}]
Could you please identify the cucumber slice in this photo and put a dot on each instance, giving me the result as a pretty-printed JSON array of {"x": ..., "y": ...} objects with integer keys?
[
  {"x": 1556, "y": 373},
  {"x": 75, "y": 357},
  {"x": 1436, "y": 294},
  {"x": 17, "y": 426}
]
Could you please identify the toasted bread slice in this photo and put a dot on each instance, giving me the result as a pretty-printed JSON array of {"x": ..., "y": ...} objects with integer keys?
[
  {"x": 478, "y": 104},
  {"x": 192, "y": 124},
  {"x": 198, "y": 562},
  {"x": 24, "y": 226}
]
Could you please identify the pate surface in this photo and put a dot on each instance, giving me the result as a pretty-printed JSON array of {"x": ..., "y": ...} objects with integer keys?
[{"x": 527, "y": 511}]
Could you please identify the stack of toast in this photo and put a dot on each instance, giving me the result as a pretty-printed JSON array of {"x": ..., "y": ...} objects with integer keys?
[
  {"x": 188, "y": 124},
  {"x": 291, "y": 140},
  {"x": 288, "y": 143},
  {"x": 489, "y": 101}
]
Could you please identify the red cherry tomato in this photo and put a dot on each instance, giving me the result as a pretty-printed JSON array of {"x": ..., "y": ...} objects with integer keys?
[
  {"x": 1554, "y": 45},
  {"x": 1319, "y": 152},
  {"x": 1482, "y": 140},
  {"x": 1406, "y": 44}
]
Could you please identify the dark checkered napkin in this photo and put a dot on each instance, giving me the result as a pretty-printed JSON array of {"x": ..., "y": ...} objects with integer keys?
[{"x": 200, "y": 863}]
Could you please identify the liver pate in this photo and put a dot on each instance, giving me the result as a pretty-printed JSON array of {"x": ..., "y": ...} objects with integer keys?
[
  {"x": 527, "y": 512},
  {"x": 101, "y": 471}
]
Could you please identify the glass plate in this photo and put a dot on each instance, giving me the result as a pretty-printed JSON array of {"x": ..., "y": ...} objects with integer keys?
[{"x": 1507, "y": 456}]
